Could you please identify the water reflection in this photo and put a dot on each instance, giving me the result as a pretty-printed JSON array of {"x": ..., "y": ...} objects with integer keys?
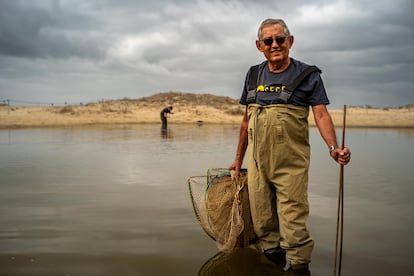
[
  {"x": 242, "y": 262},
  {"x": 167, "y": 133}
]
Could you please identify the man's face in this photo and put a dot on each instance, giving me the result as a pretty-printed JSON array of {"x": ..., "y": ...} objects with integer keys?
[{"x": 275, "y": 52}]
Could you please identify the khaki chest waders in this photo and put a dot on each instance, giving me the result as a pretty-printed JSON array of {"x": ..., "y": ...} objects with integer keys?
[{"x": 278, "y": 164}]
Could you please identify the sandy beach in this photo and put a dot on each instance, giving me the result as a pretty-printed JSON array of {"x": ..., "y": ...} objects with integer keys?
[{"x": 188, "y": 109}]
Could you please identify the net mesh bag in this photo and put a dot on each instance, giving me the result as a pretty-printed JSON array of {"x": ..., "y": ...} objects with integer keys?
[{"x": 221, "y": 205}]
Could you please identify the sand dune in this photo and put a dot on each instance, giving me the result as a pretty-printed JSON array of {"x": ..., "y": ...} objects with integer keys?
[{"x": 188, "y": 108}]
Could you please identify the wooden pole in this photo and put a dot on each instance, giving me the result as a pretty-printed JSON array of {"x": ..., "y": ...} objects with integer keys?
[{"x": 340, "y": 213}]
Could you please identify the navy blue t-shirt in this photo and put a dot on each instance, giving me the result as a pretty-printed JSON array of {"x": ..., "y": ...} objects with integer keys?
[{"x": 310, "y": 92}]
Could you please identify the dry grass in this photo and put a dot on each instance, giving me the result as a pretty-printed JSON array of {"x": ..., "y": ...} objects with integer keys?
[{"x": 188, "y": 108}]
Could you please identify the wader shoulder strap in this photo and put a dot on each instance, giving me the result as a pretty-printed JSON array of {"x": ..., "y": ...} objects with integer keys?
[
  {"x": 254, "y": 72},
  {"x": 302, "y": 76},
  {"x": 252, "y": 84},
  {"x": 288, "y": 91}
]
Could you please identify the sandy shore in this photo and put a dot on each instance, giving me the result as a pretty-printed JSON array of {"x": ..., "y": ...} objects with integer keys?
[{"x": 188, "y": 108}]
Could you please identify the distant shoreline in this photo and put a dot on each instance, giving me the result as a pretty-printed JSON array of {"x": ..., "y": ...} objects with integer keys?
[{"x": 188, "y": 109}]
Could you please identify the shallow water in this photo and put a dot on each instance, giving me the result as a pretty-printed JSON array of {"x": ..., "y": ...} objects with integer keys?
[{"x": 114, "y": 200}]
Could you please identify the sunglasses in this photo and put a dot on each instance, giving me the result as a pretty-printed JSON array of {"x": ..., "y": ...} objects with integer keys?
[{"x": 279, "y": 40}]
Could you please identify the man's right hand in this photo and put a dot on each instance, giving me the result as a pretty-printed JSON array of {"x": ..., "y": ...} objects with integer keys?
[{"x": 236, "y": 166}]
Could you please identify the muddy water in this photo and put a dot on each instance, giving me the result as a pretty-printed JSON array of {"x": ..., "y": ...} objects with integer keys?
[{"x": 114, "y": 201}]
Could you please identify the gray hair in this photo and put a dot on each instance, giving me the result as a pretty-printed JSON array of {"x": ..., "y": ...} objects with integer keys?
[{"x": 271, "y": 21}]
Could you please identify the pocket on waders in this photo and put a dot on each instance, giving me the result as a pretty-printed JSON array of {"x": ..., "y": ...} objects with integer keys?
[{"x": 279, "y": 129}]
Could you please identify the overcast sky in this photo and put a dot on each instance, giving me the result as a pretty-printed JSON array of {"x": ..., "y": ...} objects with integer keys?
[{"x": 75, "y": 51}]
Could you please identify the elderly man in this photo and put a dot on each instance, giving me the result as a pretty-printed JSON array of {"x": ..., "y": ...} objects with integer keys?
[{"x": 275, "y": 126}]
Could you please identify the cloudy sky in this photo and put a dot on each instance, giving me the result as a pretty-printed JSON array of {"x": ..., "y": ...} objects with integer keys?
[{"x": 57, "y": 51}]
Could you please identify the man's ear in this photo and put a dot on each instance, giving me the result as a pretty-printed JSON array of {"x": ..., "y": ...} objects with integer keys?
[
  {"x": 259, "y": 46},
  {"x": 291, "y": 40}
]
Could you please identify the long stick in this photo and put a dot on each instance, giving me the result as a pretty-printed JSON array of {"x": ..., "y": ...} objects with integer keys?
[{"x": 340, "y": 213}]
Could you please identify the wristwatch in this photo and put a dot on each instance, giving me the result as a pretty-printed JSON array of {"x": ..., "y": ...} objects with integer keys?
[{"x": 332, "y": 148}]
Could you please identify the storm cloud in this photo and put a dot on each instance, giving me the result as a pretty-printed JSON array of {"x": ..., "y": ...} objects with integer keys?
[{"x": 78, "y": 51}]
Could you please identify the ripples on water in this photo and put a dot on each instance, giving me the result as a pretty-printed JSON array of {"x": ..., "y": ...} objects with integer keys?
[{"x": 104, "y": 199}]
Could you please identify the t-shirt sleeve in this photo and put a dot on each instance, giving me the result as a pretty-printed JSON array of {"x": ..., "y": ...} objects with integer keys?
[{"x": 318, "y": 95}]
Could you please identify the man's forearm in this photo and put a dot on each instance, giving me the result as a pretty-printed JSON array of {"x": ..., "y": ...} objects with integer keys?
[
  {"x": 325, "y": 125},
  {"x": 243, "y": 141},
  {"x": 243, "y": 138}
]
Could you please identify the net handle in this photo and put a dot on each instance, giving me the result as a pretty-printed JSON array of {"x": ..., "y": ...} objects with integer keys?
[{"x": 236, "y": 179}]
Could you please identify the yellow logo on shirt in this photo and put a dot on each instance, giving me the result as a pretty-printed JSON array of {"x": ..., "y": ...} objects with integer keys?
[
  {"x": 278, "y": 88},
  {"x": 260, "y": 88}
]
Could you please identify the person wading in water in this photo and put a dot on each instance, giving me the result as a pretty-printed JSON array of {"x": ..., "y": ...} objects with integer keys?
[
  {"x": 164, "y": 115},
  {"x": 275, "y": 126}
]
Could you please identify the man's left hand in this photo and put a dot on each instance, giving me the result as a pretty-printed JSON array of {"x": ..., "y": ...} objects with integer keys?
[{"x": 342, "y": 156}]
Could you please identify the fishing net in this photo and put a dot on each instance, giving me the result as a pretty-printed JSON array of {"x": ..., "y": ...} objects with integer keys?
[{"x": 221, "y": 205}]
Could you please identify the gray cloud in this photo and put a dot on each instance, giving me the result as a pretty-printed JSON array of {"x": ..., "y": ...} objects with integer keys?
[
  {"x": 87, "y": 50},
  {"x": 31, "y": 30}
]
